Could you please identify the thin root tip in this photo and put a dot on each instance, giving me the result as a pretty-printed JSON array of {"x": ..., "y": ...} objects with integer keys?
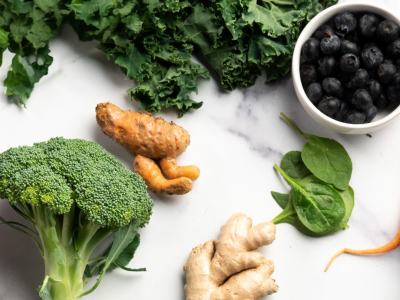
[{"x": 333, "y": 258}]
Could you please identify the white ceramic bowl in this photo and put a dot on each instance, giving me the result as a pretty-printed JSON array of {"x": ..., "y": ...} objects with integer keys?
[{"x": 383, "y": 118}]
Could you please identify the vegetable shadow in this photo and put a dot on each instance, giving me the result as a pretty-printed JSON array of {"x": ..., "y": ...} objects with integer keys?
[
  {"x": 88, "y": 50},
  {"x": 22, "y": 268}
]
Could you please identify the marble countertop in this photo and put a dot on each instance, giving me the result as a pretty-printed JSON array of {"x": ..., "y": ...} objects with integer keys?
[{"x": 236, "y": 137}]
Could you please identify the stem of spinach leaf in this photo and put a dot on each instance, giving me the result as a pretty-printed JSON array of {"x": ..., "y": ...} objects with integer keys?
[
  {"x": 287, "y": 212},
  {"x": 286, "y": 176},
  {"x": 295, "y": 128}
]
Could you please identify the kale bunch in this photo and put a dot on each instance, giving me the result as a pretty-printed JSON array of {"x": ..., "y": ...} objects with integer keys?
[{"x": 153, "y": 41}]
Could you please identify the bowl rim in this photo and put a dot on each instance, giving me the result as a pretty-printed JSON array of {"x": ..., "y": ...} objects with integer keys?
[{"x": 373, "y": 8}]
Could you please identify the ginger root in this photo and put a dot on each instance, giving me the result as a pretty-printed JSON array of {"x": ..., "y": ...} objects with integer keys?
[
  {"x": 229, "y": 268},
  {"x": 154, "y": 139}
]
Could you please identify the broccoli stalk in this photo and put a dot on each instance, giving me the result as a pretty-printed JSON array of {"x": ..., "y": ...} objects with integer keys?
[{"x": 76, "y": 195}]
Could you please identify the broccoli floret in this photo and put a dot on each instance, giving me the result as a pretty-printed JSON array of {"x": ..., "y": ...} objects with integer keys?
[{"x": 76, "y": 194}]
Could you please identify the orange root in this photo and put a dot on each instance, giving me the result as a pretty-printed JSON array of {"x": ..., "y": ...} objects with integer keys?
[
  {"x": 172, "y": 170},
  {"x": 155, "y": 180},
  {"x": 395, "y": 243},
  {"x": 141, "y": 133}
]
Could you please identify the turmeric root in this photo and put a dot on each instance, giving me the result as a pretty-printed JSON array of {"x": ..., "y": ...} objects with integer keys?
[
  {"x": 172, "y": 170},
  {"x": 229, "y": 268},
  {"x": 156, "y": 182},
  {"x": 142, "y": 134}
]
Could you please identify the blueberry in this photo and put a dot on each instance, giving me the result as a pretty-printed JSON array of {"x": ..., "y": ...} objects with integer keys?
[
  {"x": 354, "y": 117},
  {"x": 349, "y": 63},
  {"x": 369, "y": 44},
  {"x": 396, "y": 80},
  {"x": 332, "y": 87},
  {"x": 345, "y": 22},
  {"x": 393, "y": 49},
  {"x": 393, "y": 94},
  {"x": 329, "y": 106},
  {"x": 397, "y": 64},
  {"x": 362, "y": 99},
  {"x": 358, "y": 80},
  {"x": 374, "y": 88},
  {"x": 386, "y": 73},
  {"x": 348, "y": 96},
  {"x": 371, "y": 57},
  {"x": 373, "y": 74},
  {"x": 388, "y": 61},
  {"x": 370, "y": 114},
  {"x": 367, "y": 25},
  {"x": 310, "y": 50},
  {"x": 382, "y": 102},
  {"x": 308, "y": 74},
  {"x": 347, "y": 46},
  {"x": 326, "y": 66},
  {"x": 353, "y": 37},
  {"x": 314, "y": 92},
  {"x": 344, "y": 108},
  {"x": 387, "y": 31},
  {"x": 330, "y": 44},
  {"x": 343, "y": 77},
  {"x": 323, "y": 31}
]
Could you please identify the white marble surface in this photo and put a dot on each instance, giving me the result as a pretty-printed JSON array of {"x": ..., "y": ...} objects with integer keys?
[{"x": 236, "y": 138}]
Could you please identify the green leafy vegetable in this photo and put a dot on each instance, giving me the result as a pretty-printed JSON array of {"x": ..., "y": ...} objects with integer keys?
[
  {"x": 292, "y": 164},
  {"x": 76, "y": 195},
  {"x": 26, "y": 28},
  {"x": 3, "y": 44},
  {"x": 315, "y": 207},
  {"x": 153, "y": 41},
  {"x": 122, "y": 240},
  {"x": 319, "y": 206},
  {"x": 44, "y": 291},
  {"x": 281, "y": 199},
  {"x": 25, "y": 72},
  {"x": 326, "y": 159},
  {"x": 289, "y": 215}
]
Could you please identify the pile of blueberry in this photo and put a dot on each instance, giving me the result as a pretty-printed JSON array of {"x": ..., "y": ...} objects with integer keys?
[{"x": 351, "y": 67}]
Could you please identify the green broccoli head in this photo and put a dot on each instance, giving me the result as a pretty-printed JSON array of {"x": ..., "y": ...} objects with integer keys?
[
  {"x": 76, "y": 194},
  {"x": 39, "y": 185},
  {"x": 62, "y": 171}
]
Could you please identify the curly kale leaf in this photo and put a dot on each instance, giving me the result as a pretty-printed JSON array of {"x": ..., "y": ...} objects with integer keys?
[
  {"x": 25, "y": 72},
  {"x": 252, "y": 36},
  {"x": 144, "y": 40},
  {"x": 153, "y": 41},
  {"x": 3, "y": 44},
  {"x": 26, "y": 28}
]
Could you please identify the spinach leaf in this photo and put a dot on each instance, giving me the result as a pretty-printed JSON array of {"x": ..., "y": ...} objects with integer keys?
[
  {"x": 281, "y": 199},
  {"x": 328, "y": 161},
  {"x": 289, "y": 215},
  {"x": 288, "y": 211},
  {"x": 325, "y": 158},
  {"x": 292, "y": 164},
  {"x": 319, "y": 207}
]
